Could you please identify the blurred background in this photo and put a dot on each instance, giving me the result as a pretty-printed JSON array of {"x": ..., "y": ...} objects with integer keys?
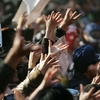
[
  {"x": 88, "y": 24},
  {"x": 8, "y": 8}
]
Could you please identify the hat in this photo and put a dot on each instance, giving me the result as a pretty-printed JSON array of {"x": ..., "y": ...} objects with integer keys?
[
  {"x": 71, "y": 35},
  {"x": 93, "y": 32},
  {"x": 84, "y": 56},
  {"x": 92, "y": 27}
]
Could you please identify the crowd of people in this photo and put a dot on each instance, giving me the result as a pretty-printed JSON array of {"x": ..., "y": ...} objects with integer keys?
[{"x": 57, "y": 57}]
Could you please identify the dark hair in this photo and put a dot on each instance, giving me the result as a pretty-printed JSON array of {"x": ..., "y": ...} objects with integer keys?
[
  {"x": 54, "y": 93},
  {"x": 83, "y": 67}
]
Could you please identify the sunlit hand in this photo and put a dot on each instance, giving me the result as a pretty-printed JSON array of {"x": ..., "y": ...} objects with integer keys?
[
  {"x": 22, "y": 20},
  {"x": 20, "y": 47},
  {"x": 56, "y": 49},
  {"x": 47, "y": 62},
  {"x": 69, "y": 19},
  {"x": 47, "y": 81},
  {"x": 52, "y": 21}
]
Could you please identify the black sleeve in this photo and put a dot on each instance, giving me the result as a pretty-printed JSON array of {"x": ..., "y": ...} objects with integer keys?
[
  {"x": 59, "y": 32},
  {"x": 6, "y": 74},
  {"x": 22, "y": 71}
]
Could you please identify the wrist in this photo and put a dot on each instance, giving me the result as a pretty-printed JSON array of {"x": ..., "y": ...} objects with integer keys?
[
  {"x": 63, "y": 25},
  {"x": 32, "y": 65},
  {"x": 50, "y": 34},
  {"x": 19, "y": 27}
]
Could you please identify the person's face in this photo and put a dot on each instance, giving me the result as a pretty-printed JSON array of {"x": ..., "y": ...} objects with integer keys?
[{"x": 92, "y": 69}]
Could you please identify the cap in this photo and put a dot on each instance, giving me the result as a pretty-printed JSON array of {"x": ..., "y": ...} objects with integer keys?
[
  {"x": 92, "y": 31},
  {"x": 85, "y": 55}
]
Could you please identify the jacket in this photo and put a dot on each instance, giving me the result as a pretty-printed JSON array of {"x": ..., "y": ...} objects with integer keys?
[
  {"x": 31, "y": 82},
  {"x": 78, "y": 78}
]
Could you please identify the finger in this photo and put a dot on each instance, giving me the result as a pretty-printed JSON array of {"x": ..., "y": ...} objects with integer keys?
[
  {"x": 73, "y": 15},
  {"x": 96, "y": 93},
  {"x": 47, "y": 58},
  {"x": 54, "y": 63},
  {"x": 49, "y": 73},
  {"x": 51, "y": 60},
  {"x": 97, "y": 79},
  {"x": 52, "y": 14},
  {"x": 52, "y": 72},
  {"x": 42, "y": 57},
  {"x": 59, "y": 44},
  {"x": 99, "y": 83},
  {"x": 57, "y": 15},
  {"x": 63, "y": 46},
  {"x": 67, "y": 13},
  {"x": 75, "y": 18},
  {"x": 36, "y": 48},
  {"x": 81, "y": 88},
  {"x": 97, "y": 96},
  {"x": 49, "y": 17},
  {"x": 44, "y": 18},
  {"x": 91, "y": 91},
  {"x": 60, "y": 20},
  {"x": 50, "y": 45},
  {"x": 29, "y": 47}
]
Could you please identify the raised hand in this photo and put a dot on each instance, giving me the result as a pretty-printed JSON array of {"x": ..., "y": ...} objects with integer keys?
[
  {"x": 18, "y": 50},
  {"x": 47, "y": 81},
  {"x": 69, "y": 19},
  {"x": 20, "y": 47},
  {"x": 56, "y": 49},
  {"x": 45, "y": 63},
  {"x": 52, "y": 21},
  {"x": 85, "y": 95},
  {"x": 22, "y": 20}
]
